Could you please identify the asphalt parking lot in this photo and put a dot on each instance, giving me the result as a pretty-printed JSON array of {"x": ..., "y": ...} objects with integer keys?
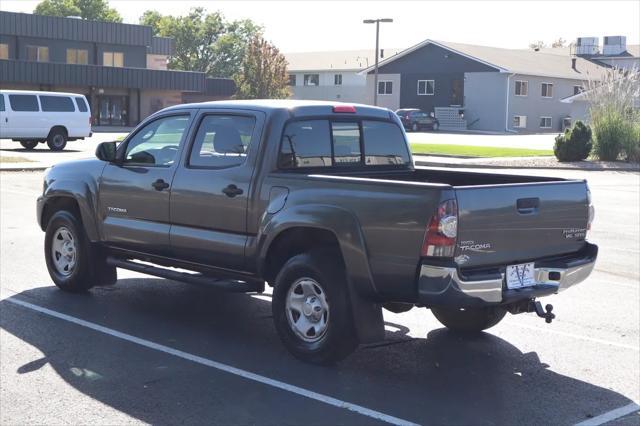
[{"x": 155, "y": 351}]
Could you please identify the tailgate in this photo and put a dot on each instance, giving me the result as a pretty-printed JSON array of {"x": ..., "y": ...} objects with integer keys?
[{"x": 507, "y": 224}]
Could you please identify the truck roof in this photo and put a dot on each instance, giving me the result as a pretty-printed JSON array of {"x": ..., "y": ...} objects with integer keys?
[{"x": 296, "y": 107}]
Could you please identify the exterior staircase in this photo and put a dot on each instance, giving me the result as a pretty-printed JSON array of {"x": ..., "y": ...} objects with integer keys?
[{"x": 449, "y": 118}]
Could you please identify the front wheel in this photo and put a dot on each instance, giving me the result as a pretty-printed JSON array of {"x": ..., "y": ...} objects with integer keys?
[
  {"x": 74, "y": 264},
  {"x": 469, "y": 320},
  {"x": 29, "y": 145},
  {"x": 311, "y": 309}
]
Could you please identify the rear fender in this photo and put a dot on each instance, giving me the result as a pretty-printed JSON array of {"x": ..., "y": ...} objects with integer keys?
[{"x": 366, "y": 313}]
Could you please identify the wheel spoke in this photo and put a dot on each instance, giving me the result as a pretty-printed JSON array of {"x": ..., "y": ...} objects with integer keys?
[
  {"x": 303, "y": 325},
  {"x": 295, "y": 302},
  {"x": 308, "y": 288}
]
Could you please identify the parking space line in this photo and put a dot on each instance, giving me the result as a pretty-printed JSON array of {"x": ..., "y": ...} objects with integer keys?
[
  {"x": 610, "y": 415},
  {"x": 576, "y": 336},
  {"x": 217, "y": 365}
]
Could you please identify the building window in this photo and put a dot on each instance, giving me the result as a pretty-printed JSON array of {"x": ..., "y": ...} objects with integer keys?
[
  {"x": 337, "y": 79},
  {"x": 577, "y": 89},
  {"x": 545, "y": 122},
  {"x": 38, "y": 53},
  {"x": 522, "y": 88},
  {"x": 292, "y": 80},
  {"x": 385, "y": 87},
  {"x": 78, "y": 56},
  {"x": 547, "y": 90},
  {"x": 520, "y": 121},
  {"x": 4, "y": 51},
  {"x": 113, "y": 59},
  {"x": 426, "y": 87},
  {"x": 312, "y": 79}
]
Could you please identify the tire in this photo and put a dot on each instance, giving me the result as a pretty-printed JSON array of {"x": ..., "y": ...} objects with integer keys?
[
  {"x": 469, "y": 320},
  {"x": 57, "y": 139},
  {"x": 414, "y": 127},
  {"x": 327, "y": 333},
  {"x": 29, "y": 145},
  {"x": 65, "y": 242}
]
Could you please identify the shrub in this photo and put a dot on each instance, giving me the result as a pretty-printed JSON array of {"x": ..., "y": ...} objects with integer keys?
[
  {"x": 631, "y": 148},
  {"x": 613, "y": 113},
  {"x": 612, "y": 133},
  {"x": 575, "y": 144}
]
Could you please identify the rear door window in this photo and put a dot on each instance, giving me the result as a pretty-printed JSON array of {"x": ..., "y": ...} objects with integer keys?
[
  {"x": 56, "y": 104},
  {"x": 306, "y": 144},
  {"x": 222, "y": 141},
  {"x": 24, "y": 103},
  {"x": 82, "y": 104}
]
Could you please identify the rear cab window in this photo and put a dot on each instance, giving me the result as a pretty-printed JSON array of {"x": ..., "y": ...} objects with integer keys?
[
  {"x": 24, "y": 103},
  {"x": 329, "y": 143}
]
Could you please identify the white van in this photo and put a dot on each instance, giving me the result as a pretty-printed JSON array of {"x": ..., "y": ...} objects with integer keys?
[{"x": 31, "y": 117}]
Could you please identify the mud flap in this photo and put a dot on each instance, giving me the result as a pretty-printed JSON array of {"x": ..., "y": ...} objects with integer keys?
[{"x": 367, "y": 318}]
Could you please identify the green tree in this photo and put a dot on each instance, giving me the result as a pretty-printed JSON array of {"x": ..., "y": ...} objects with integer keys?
[
  {"x": 264, "y": 72},
  {"x": 205, "y": 42},
  {"x": 93, "y": 10}
]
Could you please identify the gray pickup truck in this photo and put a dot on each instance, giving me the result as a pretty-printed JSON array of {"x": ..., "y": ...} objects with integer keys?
[{"x": 322, "y": 202}]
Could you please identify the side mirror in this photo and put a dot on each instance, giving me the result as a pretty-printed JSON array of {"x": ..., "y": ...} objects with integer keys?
[{"x": 106, "y": 151}]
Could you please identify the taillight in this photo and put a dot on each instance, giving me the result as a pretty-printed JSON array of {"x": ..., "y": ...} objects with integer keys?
[
  {"x": 442, "y": 231},
  {"x": 344, "y": 108}
]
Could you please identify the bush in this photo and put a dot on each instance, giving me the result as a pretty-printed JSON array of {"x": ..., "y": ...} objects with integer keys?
[
  {"x": 631, "y": 149},
  {"x": 575, "y": 144},
  {"x": 612, "y": 134}
]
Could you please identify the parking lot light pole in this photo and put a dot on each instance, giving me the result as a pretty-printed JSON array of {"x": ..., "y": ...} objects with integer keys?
[{"x": 375, "y": 72}]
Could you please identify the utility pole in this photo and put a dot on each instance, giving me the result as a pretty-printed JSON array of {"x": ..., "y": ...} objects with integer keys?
[{"x": 375, "y": 72}]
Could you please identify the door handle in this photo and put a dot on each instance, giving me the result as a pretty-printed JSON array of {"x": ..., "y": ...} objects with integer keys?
[
  {"x": 160, "y": 184},
  {"x": 528, "y": 205},
  {"x": 232, "y": 190}
]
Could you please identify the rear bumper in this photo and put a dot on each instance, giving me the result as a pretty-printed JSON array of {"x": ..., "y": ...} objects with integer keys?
[{"x": 447, "y": 286}]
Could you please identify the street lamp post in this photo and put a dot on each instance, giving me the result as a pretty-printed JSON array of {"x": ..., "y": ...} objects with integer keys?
[{"x": 375, "y": 72}]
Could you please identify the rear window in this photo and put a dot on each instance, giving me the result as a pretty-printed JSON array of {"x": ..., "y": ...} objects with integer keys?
[
  {"x": 82, "y": 104},
  {"x": 56, "y": 104},
  {"x": 23, "y": 102},
  {"x": 308, "y": 143},
  {"x": 384, "y": 144}
]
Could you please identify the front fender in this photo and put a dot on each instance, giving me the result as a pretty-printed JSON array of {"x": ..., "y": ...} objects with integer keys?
[{"x": 85, "y": 195}]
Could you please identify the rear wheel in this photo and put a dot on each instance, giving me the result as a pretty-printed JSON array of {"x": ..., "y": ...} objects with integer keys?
[
  {"x": 469, "y": 320},
  {"x": 74, "y": 264},
  {"x": 311, "y": 309},
  {"x": 29, "y": 144},
  {"x": 57, "y": 139}
]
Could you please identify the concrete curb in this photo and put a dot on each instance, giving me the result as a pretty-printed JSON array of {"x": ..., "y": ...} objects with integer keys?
[{"x": 491, "y": 166}]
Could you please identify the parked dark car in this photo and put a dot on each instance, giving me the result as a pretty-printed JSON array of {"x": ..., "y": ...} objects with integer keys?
[
  {"x": 414, "y": 120},
  {"x": 322, "y": 202}
]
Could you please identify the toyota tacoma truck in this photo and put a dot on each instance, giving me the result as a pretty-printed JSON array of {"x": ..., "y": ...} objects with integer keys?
[{"x": 322, "y": 202}]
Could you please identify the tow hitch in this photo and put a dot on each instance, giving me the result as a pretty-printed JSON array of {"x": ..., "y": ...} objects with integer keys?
[{"x": 535, "y": 306}]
